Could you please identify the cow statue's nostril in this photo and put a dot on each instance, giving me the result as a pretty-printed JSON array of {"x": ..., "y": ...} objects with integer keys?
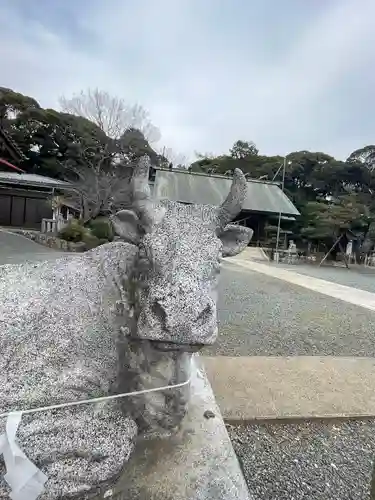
[
  {"x": 205, "y": 314},
  {"x": 158, "y": 310}
]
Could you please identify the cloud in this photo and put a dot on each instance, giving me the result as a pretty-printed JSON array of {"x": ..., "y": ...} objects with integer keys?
[{"x": 289, "y": 77}]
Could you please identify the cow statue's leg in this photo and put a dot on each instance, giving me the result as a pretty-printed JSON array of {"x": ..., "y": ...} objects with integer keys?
[
  {"x": 78, "y": 447},
  {"x": 58, "y": 345}
]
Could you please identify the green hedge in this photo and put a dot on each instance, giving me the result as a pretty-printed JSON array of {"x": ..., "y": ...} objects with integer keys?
[
  {"x": 74, "y": 231},
  {"x": 102, "y": 228},
  {"x": 98, "y": 232}
]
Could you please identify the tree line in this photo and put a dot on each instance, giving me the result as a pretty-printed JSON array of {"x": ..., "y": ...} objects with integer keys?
[
  {"x": 332, "y": 195},
  {"x": 95, "y": 139}
]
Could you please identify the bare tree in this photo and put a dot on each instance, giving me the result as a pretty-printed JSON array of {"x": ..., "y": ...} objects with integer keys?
[
  {"x": 98, "y": 186},
  {"x": 203, "y": 156},
  {"x": 112, "y": 114},
  {"x": 176, "y": 159},
  {"x": 101, "y": 176}
]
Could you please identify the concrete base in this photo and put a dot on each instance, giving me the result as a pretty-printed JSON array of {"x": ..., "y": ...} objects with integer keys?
[
  {"x": 197, "y": 464},
  {"x": 259, "y": 387}
]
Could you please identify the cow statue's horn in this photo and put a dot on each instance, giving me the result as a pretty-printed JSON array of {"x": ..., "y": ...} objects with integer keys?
[
  {"x": 142, "y": 203},
  {"x": 232, "y": 205}
]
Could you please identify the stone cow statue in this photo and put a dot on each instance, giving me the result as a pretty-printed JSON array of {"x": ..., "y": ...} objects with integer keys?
[{"x": 123, "y": 317}]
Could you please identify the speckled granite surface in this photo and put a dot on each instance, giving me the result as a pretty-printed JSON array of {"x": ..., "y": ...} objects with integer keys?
[{"x": 70, "y": 329}]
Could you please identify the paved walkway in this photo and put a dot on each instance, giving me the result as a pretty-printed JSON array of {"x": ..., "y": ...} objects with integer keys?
[
  {"x": 15, "y": 248},
  {"x": 254, "y": 253},
  {"x": 356, "y": 276},
  {"x": 354, "y": 296}
]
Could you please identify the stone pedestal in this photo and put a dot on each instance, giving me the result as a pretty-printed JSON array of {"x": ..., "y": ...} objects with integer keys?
[{"x": 198, "y": 463}]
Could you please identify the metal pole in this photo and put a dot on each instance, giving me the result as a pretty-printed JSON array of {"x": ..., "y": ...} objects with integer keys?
[
  {"x": 279, "y": 223},
  {"x": 277, "y": 173},
  {"x": 330, "y": 250}
]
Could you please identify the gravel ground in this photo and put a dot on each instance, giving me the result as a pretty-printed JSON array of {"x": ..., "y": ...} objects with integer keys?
[
  {"x": 260, "y": 315},
  {"x": 309, "y": 461},
  {"x": 360, "y": 277}
]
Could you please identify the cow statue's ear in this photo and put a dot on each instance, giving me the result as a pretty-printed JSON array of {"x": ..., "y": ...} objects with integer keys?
[
  {"x": 126, "y": 224},
  {"x": 235, "y": 239}
]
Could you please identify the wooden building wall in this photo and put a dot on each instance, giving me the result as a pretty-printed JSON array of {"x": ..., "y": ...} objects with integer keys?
[{"x": 23, "y": 207}]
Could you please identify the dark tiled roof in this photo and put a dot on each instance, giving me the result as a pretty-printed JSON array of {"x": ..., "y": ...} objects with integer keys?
[
  {"x": 11, "y": 146},
  {"x": 35, "y": 180},
  {"x": 186, "y": 187}
]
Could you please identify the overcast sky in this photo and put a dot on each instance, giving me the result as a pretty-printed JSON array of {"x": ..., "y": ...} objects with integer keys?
[{"x": 288, "y": 75}]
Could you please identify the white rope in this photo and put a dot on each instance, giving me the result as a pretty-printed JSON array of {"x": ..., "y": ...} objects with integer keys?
[
  {"x": 23, "y": 477},
  {"x": 95, "y": 400}
]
